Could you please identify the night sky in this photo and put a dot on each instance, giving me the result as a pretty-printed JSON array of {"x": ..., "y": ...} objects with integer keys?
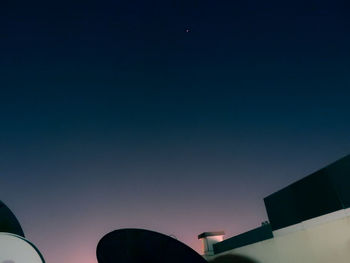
[{"x": 175, "y": 116}]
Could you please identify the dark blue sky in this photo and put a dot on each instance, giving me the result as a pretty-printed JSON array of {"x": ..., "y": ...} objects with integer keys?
[{"x": 112, "y": 115}]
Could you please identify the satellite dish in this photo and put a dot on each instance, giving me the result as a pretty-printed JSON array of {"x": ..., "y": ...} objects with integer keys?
[
  {"x": 16, "y": 249},
  {"x": 144, "y": 246},
  {"x": 8, "y": 221}
]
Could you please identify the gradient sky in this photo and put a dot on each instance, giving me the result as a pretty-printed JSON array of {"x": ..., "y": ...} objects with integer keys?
[{"x": 113, "y": 116}]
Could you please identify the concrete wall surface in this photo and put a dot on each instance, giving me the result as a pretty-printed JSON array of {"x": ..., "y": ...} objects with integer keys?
[{"x": 315, "y": 241}]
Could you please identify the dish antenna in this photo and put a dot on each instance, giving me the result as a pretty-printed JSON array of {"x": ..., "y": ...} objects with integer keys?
[
  {"x": 8, "y": 221},
  {"x": 143, "y": 246},
  {"x": 16, "y": 249}
]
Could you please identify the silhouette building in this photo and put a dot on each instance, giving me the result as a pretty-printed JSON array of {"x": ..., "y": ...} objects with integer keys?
[{"x": 309, "y": 221}]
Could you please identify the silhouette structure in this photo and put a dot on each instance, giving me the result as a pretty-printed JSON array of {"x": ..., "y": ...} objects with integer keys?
[
  {"x": 144, "y": 246},
  {"x": 8, "y": 221}
]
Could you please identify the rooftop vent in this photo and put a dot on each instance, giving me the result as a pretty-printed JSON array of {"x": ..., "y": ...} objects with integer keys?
[{"x": 208, "y": 240}]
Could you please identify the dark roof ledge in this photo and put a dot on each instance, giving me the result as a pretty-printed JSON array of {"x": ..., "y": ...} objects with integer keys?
[{"x": 210, "y": 234}]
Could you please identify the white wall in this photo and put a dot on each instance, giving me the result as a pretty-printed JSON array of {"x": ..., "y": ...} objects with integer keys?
[{"x": 325, "y": 239}]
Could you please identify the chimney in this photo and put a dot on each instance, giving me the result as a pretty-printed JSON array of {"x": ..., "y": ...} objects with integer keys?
[{"x": 208, "y": 240}]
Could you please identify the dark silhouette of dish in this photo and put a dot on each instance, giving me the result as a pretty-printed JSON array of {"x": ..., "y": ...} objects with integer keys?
[
  {"x": 8, "y": 221},
  {"x": 144, "y": 246}
]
